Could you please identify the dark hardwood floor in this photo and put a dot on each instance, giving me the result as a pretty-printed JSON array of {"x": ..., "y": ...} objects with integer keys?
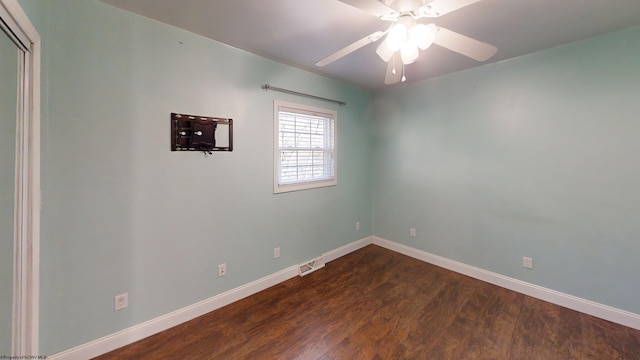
[{"x": 377, "y": 304}]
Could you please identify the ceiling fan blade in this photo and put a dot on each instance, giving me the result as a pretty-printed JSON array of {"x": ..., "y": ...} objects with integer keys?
[
  {"x": 351, "y": 48},
  {"x": 373, "y": 7},
  {"x": 464, "y": 45},
  {"x": 442, "y": 7},
  {"x": 395, "y": 69}
]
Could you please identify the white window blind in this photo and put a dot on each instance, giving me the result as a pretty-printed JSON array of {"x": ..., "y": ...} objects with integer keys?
[{"x": 305, "y": 154}]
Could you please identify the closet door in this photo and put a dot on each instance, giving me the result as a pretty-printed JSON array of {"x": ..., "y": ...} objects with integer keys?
[
  {"x": 19, "y": 181},
  {"x": 8, "y": 119}
]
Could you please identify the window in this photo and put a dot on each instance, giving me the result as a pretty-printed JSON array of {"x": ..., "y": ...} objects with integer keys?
[{"x": 304, "y": 147}]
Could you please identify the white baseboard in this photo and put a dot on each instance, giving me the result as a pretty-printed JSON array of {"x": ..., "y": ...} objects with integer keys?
[
  {"x": 346, "y": 249},
  {"x": 605, "y": 312},
  {"x": 164, "y": 322}
]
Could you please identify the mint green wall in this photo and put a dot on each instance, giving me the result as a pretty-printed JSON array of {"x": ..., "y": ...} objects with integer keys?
[
  {"x": 535, "y": 156},
  {"x": 36, "y": 12},
  {"x": 122, "y": 213},
  {"x": 8, "y": 114}
]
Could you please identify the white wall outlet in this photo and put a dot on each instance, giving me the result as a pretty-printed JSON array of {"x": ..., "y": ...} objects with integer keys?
[
  {"x": 121, "y": 301},
  {"x": 276, "y": 253},
  {"x": 527, "y": 262},
  {"x": 222, "y": 270},
  {"x": 357, "y": 225},
  {"x": 412, "y": 232}
]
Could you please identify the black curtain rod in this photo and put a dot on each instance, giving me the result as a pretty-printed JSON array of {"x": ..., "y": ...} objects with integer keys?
[{"x": 269, "y": 87}]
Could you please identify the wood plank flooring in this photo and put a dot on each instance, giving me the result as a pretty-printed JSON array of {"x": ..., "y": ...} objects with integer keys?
[{"x": 377, "y": 304}]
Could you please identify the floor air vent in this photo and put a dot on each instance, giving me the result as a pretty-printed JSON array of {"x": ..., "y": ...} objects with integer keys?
[{"x": 311, "y": 266}]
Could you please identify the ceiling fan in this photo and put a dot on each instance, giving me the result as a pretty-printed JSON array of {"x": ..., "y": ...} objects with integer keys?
[{"x": 407, "y": 35}]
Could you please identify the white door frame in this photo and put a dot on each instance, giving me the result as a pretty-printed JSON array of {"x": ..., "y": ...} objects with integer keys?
[{"x": 26, "y": 257}]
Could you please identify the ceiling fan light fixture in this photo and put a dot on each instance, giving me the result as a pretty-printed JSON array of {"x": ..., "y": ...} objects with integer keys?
[
  {"x": 404, "y": 39},
  {"x": 396, "y": 36},
  {"x": 423, "y": 35},
  {"x": 384, "y": 52},
  {"x": 409, "y": 52}
]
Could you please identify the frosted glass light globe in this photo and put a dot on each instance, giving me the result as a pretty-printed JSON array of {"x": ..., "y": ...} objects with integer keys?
[
  {"x": 423, "y": 35},
  {"x": 396, "y": 36},
  {"x": 384, "y": 52},
  {"x": 409, "y": 52}
]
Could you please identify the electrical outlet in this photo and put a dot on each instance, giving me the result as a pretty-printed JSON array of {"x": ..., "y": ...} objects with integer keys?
[
  {"x": 222, "y": 270},
  {"x": 276, "y": 253},
  {"x": 412, "y": 232},
  {"x": 527, "y": 262},
  {"x": 121, "y": 301},
  {"x": 357, "y": 225}
]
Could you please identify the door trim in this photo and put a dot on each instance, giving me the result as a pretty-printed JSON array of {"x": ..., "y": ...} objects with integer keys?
[{"x": 26, "y": 260}]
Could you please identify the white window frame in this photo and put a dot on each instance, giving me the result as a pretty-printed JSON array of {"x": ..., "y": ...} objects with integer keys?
[{"x": 307, "y": 184}]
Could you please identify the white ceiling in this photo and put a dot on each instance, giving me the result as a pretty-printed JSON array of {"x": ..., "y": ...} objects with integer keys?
[{"x": 301, "y": 32}]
